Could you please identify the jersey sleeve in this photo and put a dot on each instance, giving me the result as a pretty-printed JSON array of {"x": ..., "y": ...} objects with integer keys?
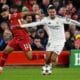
[
  {"x": 33, "y": 24},
  {"x": 69, "y": 21}
]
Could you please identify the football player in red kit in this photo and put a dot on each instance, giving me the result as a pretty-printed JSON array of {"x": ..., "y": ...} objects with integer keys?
[{"x": 21, "y": 39}]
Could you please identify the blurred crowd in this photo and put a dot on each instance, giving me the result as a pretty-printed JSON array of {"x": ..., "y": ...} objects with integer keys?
[{"x": 39, "y": 37}]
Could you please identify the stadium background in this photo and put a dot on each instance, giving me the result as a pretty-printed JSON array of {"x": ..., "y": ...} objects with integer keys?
[{"x": 68, "y": 8}]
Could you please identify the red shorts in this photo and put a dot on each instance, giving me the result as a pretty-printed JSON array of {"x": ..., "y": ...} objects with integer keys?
[{"x": 22, "y": 44}]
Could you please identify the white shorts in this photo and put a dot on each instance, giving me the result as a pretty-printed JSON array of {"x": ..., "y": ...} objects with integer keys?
[{"x": 56, "y": 47}]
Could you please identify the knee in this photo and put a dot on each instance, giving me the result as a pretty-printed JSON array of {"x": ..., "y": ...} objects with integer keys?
[
  {"x": 54, "y": 59},
  {"x": 29, "y": 55},
  {"x": 6, "y": 52}
]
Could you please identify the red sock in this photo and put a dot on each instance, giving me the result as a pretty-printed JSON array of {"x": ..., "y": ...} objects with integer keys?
[{"x": 3, "y": 59}]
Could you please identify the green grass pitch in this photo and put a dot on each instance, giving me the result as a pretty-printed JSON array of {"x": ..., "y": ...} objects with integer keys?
[{"x": 34, "y": 73}]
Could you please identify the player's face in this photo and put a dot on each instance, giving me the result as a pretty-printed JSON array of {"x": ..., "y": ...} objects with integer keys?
[{"x": 52, "y": 13}]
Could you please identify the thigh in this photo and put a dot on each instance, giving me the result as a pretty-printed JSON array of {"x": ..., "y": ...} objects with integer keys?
[
  {"x": 8, "y": 49},
  {"x": 55, "y": 47},
  {"x": 14, "y": 44},
  {"x": 58, "y": 48},
  {"x": 50, "y": 45}
]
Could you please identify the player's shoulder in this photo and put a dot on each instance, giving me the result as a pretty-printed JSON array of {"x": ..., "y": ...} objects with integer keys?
[
  {"x": 45, "y": 19},
  {"x": 61, "y": 17}
]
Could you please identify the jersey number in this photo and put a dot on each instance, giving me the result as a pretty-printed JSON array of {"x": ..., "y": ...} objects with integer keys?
[{"x": 26, "y": 46}]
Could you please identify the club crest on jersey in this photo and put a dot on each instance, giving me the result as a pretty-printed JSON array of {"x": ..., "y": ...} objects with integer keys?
[{"x": 49, "y": 22}]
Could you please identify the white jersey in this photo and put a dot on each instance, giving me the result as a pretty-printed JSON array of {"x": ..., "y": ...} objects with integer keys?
[{"x": 55, "y": 29}]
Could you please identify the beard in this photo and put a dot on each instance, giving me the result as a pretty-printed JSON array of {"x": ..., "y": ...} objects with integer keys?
[{"x": 52, "y": 17}]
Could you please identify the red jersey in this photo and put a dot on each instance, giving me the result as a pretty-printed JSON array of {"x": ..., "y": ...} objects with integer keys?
[{"x": 17, "y": 31}]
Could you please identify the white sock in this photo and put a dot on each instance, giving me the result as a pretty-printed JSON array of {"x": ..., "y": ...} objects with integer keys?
[{"x": 1, "y": 68}]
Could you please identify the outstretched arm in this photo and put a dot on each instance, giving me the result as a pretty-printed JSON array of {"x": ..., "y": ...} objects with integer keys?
[
  {"x": 75, "y": 22},
  {"x": 33, "y": 24},
  {"x": 70, "y": 21}
]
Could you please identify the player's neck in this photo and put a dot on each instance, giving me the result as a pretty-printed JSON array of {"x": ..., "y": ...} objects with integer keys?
[{"x": 52, "y": 17}]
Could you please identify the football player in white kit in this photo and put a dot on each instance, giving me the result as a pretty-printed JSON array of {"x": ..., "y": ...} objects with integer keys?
[{"x": 54, "y": 25}]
